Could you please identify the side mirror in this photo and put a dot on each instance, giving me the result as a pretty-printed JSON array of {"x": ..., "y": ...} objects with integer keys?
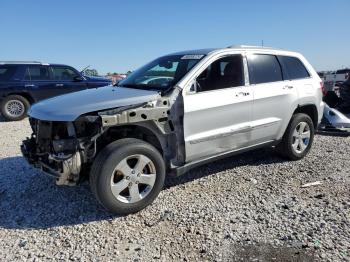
[
  {"x": 195, "y": 87},
  {"x": 78, "y": 79}
]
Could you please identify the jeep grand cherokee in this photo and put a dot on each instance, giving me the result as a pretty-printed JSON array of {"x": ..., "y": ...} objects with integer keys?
[{"x": 206, "y": 104}]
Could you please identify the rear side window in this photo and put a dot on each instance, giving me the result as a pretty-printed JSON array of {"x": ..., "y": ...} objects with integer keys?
[
  {"x": 264, "y": 69},
  {"x": 293, "y": 68},
  {"x": 37, "y": 73},
  {"x": 7, "y": 72}
]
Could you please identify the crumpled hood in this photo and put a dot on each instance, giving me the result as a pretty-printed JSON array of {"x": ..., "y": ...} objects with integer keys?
[{"x": 70, "y": 106}]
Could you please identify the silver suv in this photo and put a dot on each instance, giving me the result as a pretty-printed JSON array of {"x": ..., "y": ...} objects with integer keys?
[{"x": 175, "y": 113}]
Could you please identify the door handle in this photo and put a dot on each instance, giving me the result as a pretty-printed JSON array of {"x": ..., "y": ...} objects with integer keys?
[
  {"x": 288, "y": 87},
  {"x": 29, "y": 85},
  {"x": 242, "y": 94},
  {"x": 58, "y": 85}
]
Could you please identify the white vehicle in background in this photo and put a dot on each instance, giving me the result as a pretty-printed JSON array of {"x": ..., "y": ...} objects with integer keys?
[{"x": 334, "y": 79}]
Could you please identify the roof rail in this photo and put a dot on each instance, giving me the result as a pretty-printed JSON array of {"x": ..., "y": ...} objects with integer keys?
[
  {"x": 20, "y": 62},
  {"x": 251, "y": 47}
]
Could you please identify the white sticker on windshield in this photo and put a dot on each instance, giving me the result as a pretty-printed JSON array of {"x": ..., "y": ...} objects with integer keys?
[{"x": 192, "y": 57}]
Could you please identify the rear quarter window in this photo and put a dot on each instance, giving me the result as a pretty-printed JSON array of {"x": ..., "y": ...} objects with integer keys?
[
  {"x": 7, "y": 72},
  {"x": 293, "y": 68},
  {"x": 264, "y": 69}
]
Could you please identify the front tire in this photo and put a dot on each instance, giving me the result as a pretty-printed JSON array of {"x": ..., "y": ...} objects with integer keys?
[
  {"x": 298, "y": 138},
  {"x": 127, "y": 175},
  {"x": 14, "y": 107}
]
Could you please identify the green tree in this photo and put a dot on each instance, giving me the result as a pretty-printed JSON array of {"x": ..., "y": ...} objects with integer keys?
[{"x": 91, "y": 72}]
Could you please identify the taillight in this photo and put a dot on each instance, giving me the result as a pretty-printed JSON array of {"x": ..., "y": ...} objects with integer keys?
[{"x": 323, "y": 89}]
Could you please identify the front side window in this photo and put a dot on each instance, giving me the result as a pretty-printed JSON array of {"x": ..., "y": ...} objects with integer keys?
[
  {"x": 223, "y": 73},
  {"x": 37, "y": 73},
  {"x": 7, "y": 72},
  {"x": 264, "y": 69},
  {"x": 63, "y": 73},
  {"x": 162, "y": 73},
  {"x": 293, "y": 67}
]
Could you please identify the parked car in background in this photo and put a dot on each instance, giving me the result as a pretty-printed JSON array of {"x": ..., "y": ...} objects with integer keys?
[
  {"x": 25, "y": 83},
  {"x": 333, "y": 80},
  {"x": 214, "y": 103}
]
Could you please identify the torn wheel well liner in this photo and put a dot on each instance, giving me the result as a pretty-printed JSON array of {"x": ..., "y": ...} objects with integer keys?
[{"x": 146, "y": 131}]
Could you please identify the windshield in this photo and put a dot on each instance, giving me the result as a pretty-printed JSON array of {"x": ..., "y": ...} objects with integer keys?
[{"x": 162, "y": 73}]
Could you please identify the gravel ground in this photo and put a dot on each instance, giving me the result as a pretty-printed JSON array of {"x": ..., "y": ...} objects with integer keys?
[{"x": 249, "y": 207}]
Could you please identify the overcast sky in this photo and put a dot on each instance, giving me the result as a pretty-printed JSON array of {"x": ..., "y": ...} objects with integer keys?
[{"x": 117, "y": 36}]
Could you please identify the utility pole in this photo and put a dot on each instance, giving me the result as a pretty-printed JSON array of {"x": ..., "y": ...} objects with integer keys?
[{"x": 262, "y": 43}]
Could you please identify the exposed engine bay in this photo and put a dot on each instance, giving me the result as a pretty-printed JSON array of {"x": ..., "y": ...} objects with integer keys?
[{"x": 66, "y": 150}]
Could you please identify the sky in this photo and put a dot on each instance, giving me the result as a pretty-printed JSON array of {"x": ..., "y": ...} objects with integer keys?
[{"x": 117, "y": 36}]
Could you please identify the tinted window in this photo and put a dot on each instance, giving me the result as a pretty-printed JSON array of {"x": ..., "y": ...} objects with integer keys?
[
  {"x": 37, "y": 73},
  {"x": 63, "y": 73},
  {"x": 7, "y": 72},
  {"x": 223, "y": 73},
  {"x": 264, "y": 69},
  {"x": 293, "y": 68}
]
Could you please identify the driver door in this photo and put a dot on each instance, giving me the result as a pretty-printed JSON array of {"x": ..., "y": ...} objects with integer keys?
[
  {"x": 217, "y": 114},
  {"x": 66, "y": 80}
]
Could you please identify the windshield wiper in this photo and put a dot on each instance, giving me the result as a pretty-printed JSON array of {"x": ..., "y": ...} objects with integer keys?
[
  {"x": 127, "y": 85},
  {"x": 142, "y": 87}
]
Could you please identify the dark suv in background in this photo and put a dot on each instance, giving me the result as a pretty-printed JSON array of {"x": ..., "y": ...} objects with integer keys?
[{"x": 25, "y": 83}]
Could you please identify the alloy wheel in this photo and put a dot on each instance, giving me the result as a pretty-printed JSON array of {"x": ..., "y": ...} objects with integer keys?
[
  {"x": 15, "y": 108},
  {"x": 133, "y": 178},
  {"x": 301, "y": 137}
]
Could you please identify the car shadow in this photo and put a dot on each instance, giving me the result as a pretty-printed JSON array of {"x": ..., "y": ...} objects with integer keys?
[
  {"x": 263, "y": 156},
  {"x": 30, "y": 199}
]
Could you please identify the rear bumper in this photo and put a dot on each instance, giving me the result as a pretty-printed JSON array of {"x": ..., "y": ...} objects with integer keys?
[{"x": 321, "y": 111}]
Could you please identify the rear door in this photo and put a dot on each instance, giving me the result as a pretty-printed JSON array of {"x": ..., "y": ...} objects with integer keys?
[
  {"x": 274, "y": 98},
  {"x": 298, "y": 76}
]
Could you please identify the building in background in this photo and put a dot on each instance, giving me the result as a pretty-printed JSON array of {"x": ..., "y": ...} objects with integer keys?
[{"x": 115, "y": 77}]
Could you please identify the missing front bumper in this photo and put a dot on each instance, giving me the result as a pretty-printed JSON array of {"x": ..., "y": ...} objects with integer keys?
[{"x": 65, "y": 168}]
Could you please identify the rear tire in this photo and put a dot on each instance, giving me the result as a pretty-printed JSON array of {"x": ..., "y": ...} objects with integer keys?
[
  {"x": 297, "y": 139},
  {"x": 127, "y": 175},
  {"x": 14, "y": 107}
]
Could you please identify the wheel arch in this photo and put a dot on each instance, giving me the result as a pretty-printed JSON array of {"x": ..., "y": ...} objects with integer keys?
[
  {"x": 310, "y": 110},
  {"x": 142, "y": 131},
  {"x": 26, "y": 95}
]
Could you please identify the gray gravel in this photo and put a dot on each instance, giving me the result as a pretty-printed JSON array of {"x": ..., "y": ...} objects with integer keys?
[{"x": 248, "y": 207}]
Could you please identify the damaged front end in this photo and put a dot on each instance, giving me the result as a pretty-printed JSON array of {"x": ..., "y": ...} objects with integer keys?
[
  {"x": 67, "y": 149},
  {"x": 61, "y": 148}
]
